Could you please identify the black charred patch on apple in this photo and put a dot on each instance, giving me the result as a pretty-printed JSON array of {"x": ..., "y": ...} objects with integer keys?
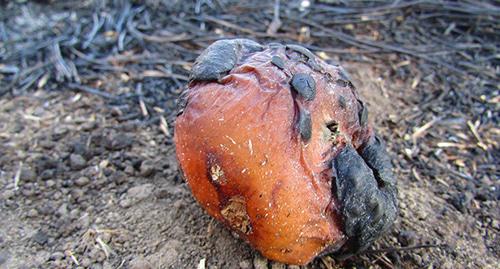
[
  {"x": 278, "y": 62},
  {"x": 310, "y": 58},
  {"x": 220, "y": 57},
  {"x": 362, "y": 113},
  {"x": 342, "y": 83},
  {"x": 305, "y": 125},
  {"x": 182, "y": 101},
  {"x": 342, "y": 102},
  {"x": 366, "y": 190},
  {"x": 304, "y": 85}
]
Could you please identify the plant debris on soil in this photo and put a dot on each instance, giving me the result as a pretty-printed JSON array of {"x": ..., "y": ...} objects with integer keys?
[{"x": 88, "y": 96}]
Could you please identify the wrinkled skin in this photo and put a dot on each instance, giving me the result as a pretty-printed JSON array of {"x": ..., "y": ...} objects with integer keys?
[{"x": 274, "y": 143}]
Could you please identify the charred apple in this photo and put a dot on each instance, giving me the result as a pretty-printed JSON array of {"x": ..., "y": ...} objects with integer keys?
[{"x": 276, "y": 144}]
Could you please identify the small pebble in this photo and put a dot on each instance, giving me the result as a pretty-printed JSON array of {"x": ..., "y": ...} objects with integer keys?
[
  {"x": 32, "y": 213},
  {"x": 40, "y": 237},
  {"x": 85, "y": 262},
  {"x": 129, "y": 170},
  {"x": 4, "y": 257},
  {"x": 100, "y": 256},
  {"x": 245, "y": 264},
  {"x": 137, "y": 194},
  {"x": 259, "y": 262},
  {"x": 125, "y": 203},
  {"x": 406, "y": 238},
  {"x": 461, "y": 201},
  {"x": 7, "y": 194},
  {"x": 82, "y": 181},
  {"x": 77, "y": 195},
  {"x": 277, "y": 265},
  {"x": 50, "y": 183},
  {"x": 105, "y": 237},
  {"x": 27, "y": 175},
  {"x": 47, "y": 208},
  {"x": 74, "y": 213},
  {"x": 47, "y": 174},
  {"x": 59, "y": 132},
  {"x": 118, "y": 141},
  {"x": 77, "y": 162},
  {"x": 80, "y": 148},
  {"x": 139, "y": 263},
  {"x": 88, "y": 126},
  {"x": 161, "y": 193},
  {"x": 63, "y": 210},
  {"x": 96, "y": 266},
  {"x": 56, "y": 256},
  {"x": 119, "y": 177},
  {"x": 28, "y": 190},
  {"x": 46, "y": 144},
  {"x": 147, "y": 168}
]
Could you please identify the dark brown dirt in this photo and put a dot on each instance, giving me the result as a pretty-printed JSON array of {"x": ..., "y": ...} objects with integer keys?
[
  {"x": 119, "y": 200},
  {"x": 87, "y": 181}
]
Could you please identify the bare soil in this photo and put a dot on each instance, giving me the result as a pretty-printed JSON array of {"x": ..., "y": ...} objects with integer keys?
[{"x": 87, "y": 181}]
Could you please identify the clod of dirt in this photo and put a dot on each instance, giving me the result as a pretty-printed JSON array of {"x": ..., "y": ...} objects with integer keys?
[
  {"x": 137, "y": 194},
  {"x": 461, "y": 201},
  {"x": 85, "y": 263},
  {"x": 82, "y": 181},
  {"x": 45, "y": 162},
  {"x": 32, "y": 213},
  {"x": 276, "y": 148},
  {"x": 140, "y": 192},
  {"x": 245, "y": 264},
  {"x": 278, "y": 265},
  {"x": 147, "y": 168},
  {"x": 117, "y": 141},
  {"x": 407, "y": 238},
  {"x": 47, "y": 174},
  {"x": 77, "y": 162},
  {"x": 4, "y": 256},
  {"x": 56, "y": 256},
  {"x": 140, "y": 263},
  {"x": 259, "y": 262},
  {"x": 63, "y": 210},
  {"x": 40, "y": 237},
  {"x": 27, "y": 174}
]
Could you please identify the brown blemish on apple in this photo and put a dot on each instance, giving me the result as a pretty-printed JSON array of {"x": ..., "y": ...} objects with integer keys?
[
  {"x": 217, "y": 174},
  {"x": 235, "y": 213}
]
